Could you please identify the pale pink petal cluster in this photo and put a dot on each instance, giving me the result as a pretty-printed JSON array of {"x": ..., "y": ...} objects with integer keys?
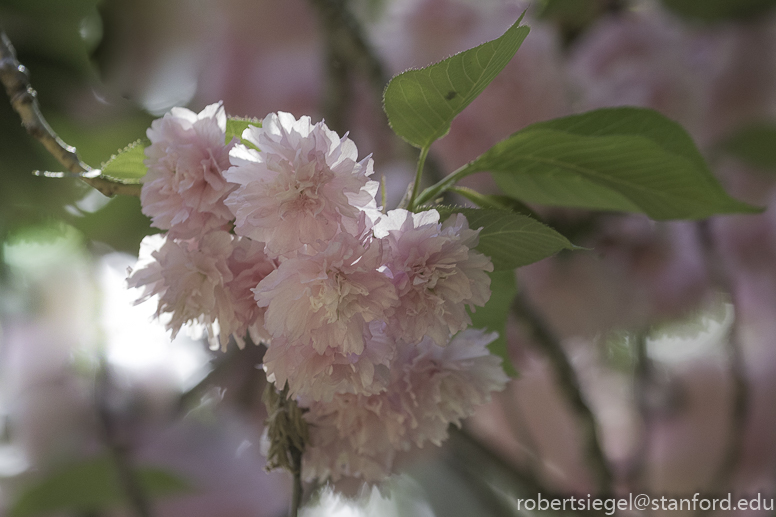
[
  {"x": 249, "y": 265},
  {"x": 184, "y": 188},
  {"x": 205, "y": 281},
  {"x": 354, "y": 306},
  {"x": 187, "y": 276},
  {"x": 324, "y": 300},
  {"x": 437, "y": 273},
  {"x": 430, "y": 388},
  {"x": 320, "y": 376},
  {"x": 302, "y": 187}
]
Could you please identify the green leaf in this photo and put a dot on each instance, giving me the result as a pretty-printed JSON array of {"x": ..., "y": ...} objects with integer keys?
[
  {"x": 719, "y": 10},
  {"x": 421, "y": 104},
  {"x": 493, "y": 316},
  {"x": 755, "y": 145},
  {"x": 495, "y": 201},
  {"x": 624, "y": 159},
  {"x": 127, "y": 166},
  {"x": 236, "y": 125},
  {"x": 510, "y": 240},
  {"x": 91, "y": 486}
]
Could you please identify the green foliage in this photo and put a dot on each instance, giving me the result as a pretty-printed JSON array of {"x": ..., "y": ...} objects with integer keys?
[
  {"x": 493, "y": 316},
  {"x": 91, "y": 486},
  {"x": 625, "y": 159},
  {"x": 755, "y": 145},
  {"x": 495, "y": 201},
  {"x": 236, "y": 125},
  {"x": 421, "y": 104},
  {"x": 127, "y": 166},
  {"x": 719, "y": 10},
  {"x": 510, "y": 240}
]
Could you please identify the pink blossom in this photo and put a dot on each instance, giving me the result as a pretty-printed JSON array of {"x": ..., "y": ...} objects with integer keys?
[
  {"x": 319, "y": 376},
  {"x": 436, "y": 271},
  {"x": 184, "y": 188},
  {"x": 205, "y": 281},
  {"x": 443, "y": 385},
  {"x": 324, "y": 300},
  {"x": 187, "y": 276},
  {"x": 302, "y": 187},
  {"x": 430, "y": 387},
  {"x": 249, "y": 265}
]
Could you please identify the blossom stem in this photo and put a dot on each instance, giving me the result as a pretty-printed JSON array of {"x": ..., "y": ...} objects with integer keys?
[
  {"x": 24, "y": 101},
  {"x": 296, "y": 494},
  {"x": 418, "y": 177}
]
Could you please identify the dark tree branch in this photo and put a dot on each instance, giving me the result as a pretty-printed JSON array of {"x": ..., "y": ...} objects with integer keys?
[
  {"x": 569, "y": 385},
  {"x": 347, "y": 51},
  {"x": 24, "y": 101},
  {"x": 119, "y": 450}
]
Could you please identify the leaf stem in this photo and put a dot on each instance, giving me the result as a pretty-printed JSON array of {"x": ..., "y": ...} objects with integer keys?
[
  {"x": 418, "y": 177},
  {"x": 445, "y": 184}
]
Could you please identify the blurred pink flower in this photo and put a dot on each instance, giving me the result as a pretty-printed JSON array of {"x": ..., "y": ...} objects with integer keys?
[
  {"x": 184, "y": 189},
  {"x": 303, "y": 187},
  {"x": 437, "y": 272},
  {"x": 430, "y": 388}
]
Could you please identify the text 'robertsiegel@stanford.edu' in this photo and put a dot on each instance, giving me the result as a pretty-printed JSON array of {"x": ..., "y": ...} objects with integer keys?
[{"x": 643, "y": 502}]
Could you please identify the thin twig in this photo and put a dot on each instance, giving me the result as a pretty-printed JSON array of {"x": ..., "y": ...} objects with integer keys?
[
  {"x": 643, "y": 380},
  {"x": 24, "y": 101},
  {"x": 119, "y": 450},
  {"x": 569, "y": 385}
]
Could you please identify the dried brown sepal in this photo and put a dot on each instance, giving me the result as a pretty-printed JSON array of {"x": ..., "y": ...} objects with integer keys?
[{"x": 286, "y": 430}]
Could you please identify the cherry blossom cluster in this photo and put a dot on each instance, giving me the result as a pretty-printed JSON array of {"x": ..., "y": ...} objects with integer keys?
[{"x": 363, "y": 313}]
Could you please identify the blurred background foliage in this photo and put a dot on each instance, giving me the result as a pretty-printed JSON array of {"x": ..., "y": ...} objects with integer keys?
[{"x": 105, "y": 69}]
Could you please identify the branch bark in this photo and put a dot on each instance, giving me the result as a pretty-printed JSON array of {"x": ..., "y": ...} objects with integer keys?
[
  {"x": 120, "y": 451},
  {"x": 569, "y": 385},
  {"x": 24, "y": 100},
  {"x": 348, "y": 50}
]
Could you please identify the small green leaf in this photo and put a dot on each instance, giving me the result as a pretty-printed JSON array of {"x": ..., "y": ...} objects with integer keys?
[
  {"x": 493, "y": 316},
  {"x": 236, "y": 125},
  {"x": 719, "y": 10},
  {"x": 421, "y": 104},
  {"x": 625, "y": 159},
  {"x": 510, "y": 240},
  {"x": 755, "y": 145},
  {"x": 127, "y": 166},
  {"x": 91, "y": 486}
]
